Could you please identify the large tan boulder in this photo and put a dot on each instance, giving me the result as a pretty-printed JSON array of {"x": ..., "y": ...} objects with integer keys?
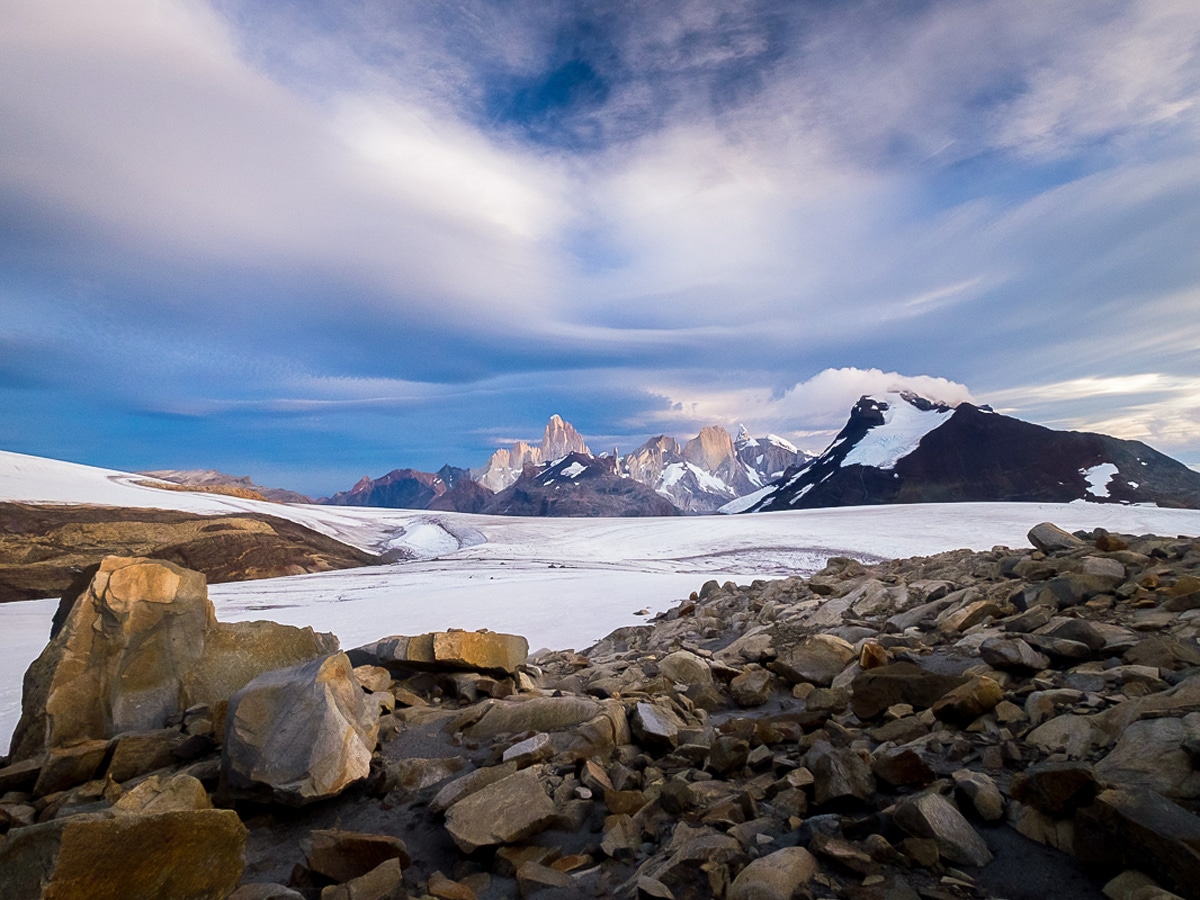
[
  {"x": 196, "y": 854},
  {"x": 120, "y": 658},
  {"x": 300, "y": 734},
  {"x": 138, "y": 645}
]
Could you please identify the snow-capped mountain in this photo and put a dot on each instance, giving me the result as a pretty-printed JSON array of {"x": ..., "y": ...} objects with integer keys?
[
  {"x": 769, "y": 457},
  {"x": 578, "y": 484},
  {"x": 902, "y": 448},
  {"x": 506, "y": 465},
  {"x": 712, "y": 468}
]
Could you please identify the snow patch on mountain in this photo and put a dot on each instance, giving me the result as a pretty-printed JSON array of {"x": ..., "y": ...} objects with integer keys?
[
  {"x": 1098, "y": 477},
  {"x": 904, "y": 425}
]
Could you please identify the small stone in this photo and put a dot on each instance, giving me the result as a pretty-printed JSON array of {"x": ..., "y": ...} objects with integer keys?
[
  {"x": 381, "y": 883},
  {"x": 445, "y": 889},
  {"x": 531, "y": 750},
  {"x": 969, "y": 701},
  {"x": 532, "y": 878},
  {"x": 982, "y": 792}
]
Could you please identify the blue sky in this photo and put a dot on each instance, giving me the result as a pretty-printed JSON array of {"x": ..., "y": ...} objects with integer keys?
[{"x": 311, "y": 241}]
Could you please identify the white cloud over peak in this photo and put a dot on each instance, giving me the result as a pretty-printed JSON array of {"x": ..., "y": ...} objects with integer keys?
[{"x": 812, "y": 410}]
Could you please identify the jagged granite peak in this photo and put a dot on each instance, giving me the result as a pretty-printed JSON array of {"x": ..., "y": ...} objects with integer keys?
[
  {"x": 909, "y": 449},
  {"x": 710, "y": 449},
  {"x": 769, "y": 456},
  {"x": 506, "y": 464},
  {"x": 647, "y": 462},
  {"x": 561, "y": 438},
  {"x": 578, "y": 484}
]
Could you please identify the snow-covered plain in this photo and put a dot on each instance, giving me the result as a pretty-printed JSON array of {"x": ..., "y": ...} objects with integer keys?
[{"x": 560, "y": 582}]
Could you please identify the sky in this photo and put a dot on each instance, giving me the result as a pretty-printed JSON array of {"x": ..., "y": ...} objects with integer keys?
[{"x": 316, "y": 240}]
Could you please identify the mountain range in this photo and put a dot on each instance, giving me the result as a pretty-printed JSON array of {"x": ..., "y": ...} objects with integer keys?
[
  {"x": 562, "y": 477},
  {"x": 895, "y": 448}
]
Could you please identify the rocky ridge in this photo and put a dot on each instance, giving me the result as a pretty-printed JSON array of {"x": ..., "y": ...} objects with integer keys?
[
  {"x": 220, "y": 482},
  {"x": 43, "y": 548},
  {"x": 1015, "y": 723}
]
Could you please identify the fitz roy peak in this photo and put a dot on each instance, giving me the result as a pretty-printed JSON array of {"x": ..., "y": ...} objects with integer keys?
[
  {"x": 506, "y": 465},
  {"x": 906, "y": 449}
]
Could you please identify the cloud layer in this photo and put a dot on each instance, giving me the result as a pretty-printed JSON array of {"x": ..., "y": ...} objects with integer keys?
[{"x": 315, "y": 240}]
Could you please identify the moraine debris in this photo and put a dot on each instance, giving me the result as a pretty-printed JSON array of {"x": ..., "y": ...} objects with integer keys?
[{"x": 913, "y": 728}]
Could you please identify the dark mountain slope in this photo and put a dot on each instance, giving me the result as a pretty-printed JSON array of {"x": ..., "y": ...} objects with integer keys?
[{"x": 974, "y": 454}]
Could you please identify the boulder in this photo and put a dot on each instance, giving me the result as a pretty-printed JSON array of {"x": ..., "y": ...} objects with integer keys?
[
  {"x": 816, "y": 659},
  {"x": 547, "y": 714},
  {"x": 969, "y": 701},
  {"x": 134, "y": 649},
  {"x": 930, "y": 815},
  {"x": 901, "y": 765},
  {"x": 982, "y": 793},
  {"x": 66, "y": 767},
  {"x": 141, "y": 752},
  {"x": 382, "y": 883},
  {"x": 161, "y": 794},
  {"x": 235, "y": 653},
  {"x": 751, "y": 688},
  {"x": 195, "y": 854},
  {"x": 342, "y": 855},
  {"x": 465, "y": 785},
  {"x": 300, "y": 734},
  {"x": 776, "y": 876},
  {"x": 839, "y": 774},
  {"x": 1055, "y": 788},
  {"x": 415, "y": 773},
  {"x": 1152, "y": 754},
  {"x": 1141, "y": 829},
  {"x": 902, "y": 682},
  {"x": 688, "y": 669},
  {"x": 480, "y": 651},
  {"x": 656, "y": 725},
  {"x": 120, "y": 658},
  {"x": 1012, "y": 653},
  {"x": 1049, "y": 538},
  {"x": 474, "y": 822}
]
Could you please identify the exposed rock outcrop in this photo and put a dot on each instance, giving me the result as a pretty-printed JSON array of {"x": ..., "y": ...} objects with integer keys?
[
  {"x": 43, "y": 548},
  {"x": 137, "y": 646}
]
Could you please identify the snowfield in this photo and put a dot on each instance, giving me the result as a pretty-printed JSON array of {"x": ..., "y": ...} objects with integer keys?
[{"x": 560, "y": 582}]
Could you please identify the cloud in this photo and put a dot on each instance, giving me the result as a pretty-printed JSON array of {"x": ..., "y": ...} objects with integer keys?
[
  {"x": 812, "y": 410},
  {"x": 351, "y": 218}
]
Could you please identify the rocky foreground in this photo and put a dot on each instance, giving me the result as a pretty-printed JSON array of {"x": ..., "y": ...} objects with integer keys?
[{"x": 1016, "y": 723}]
